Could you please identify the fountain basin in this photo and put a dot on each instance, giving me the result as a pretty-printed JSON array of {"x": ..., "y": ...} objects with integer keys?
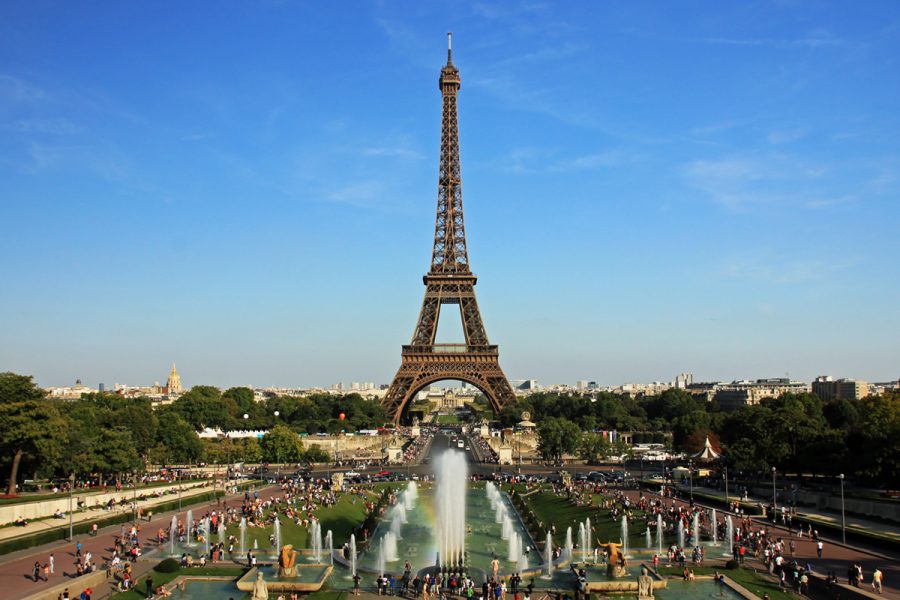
[{"x": 310, "y": 578}]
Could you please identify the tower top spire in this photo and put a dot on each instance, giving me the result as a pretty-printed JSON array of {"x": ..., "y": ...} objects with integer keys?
[{"x": 449, "y": 48}]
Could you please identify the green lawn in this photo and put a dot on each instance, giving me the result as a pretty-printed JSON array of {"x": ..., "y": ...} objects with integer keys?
[
  {"x": 139, "y": 592},
  {"x": 561, "y": 512},
  {"x": 755, "y": 582},
  {"x": 341, "y": 519},
  {"x": 446, "y": 419}
]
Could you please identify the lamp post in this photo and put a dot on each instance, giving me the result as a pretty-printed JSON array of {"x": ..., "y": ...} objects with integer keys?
[
  {"x": 774, "y": 498},
  {"x": 726, "y": 487},
  {"x": 691, "y": 476},
  {"x": 278, "y": 464},
  {"x": 71, "y": 487},
  {"x": 843, "y": 519},
  {"x": 134, "y": 499}
]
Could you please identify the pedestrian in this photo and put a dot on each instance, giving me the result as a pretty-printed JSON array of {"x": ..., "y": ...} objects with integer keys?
[
  {"x": 149, "y": 586},
  {"x": 877, "y": 578},
  {"x": 46, "y": 569},
  {"x": 78, "y": 549},
  {"x": 356, "y": 584},
  {"x": 819, "y": 547},
  {"x": 52, "y": 563},
  {"x": 36, "y": 571}
]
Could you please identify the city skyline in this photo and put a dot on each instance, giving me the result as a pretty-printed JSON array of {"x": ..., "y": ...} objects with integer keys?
[{"x": 646, "y": 193}]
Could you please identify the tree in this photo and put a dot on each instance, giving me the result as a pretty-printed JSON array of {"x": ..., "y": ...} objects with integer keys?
[
  {"x": 177, "y": 442},
  {"x": 32, "y": 426},
  {"x": 557, "y": 437},
  {"x": 315, "y": 454},
  {"x": 593, "y": 446},
  {"x": 114, "y": 452},
  {"x": 281, "y": 445}
]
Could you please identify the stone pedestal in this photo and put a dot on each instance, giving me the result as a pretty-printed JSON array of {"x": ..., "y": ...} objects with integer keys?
[
  {"x": 645, "y": 587},
  {"x": 287, "y": 571}
]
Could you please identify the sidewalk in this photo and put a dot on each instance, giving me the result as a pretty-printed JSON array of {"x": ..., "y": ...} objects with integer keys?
[
  {"x": 15, "y": 570},
  {"x": 853, "y": 522},
  {"x": 40, "y": 525}
]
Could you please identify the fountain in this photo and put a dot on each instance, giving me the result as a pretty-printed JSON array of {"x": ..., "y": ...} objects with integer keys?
[
  {"x": 588, "y": 534},
  {"x": 729, "y": 531},
  {"x": 714, "y": 527},
  {"x": 243, "y": 529},
  {"x": 352, "y": 555},
  {"x": 680, "y": 532},
  {"x": 189, "y": 528},
  {"x": 396, "y": 527},
  {"x": 648, "y": 539},
  {"x": 624, "y": 535},
  {"x": 695, "y": 530},
  {"x": 548, "y": 557},
  {"x": 400, "y": 512},
  {"x": 390, "y": 547},
  {"x": 221, "y": 532},
  {"x": 499, "y": 512},
  {"x": 206, "y": 528},
  {"x": 255, "y": 544},
  {"x": 659, "y": 535},
  {"x": 173, "y": 533},
  {"x": 451, "y": 507},
  {"x": 277, "y": 527},
  {"x": 412, "y": 492},
  {"x": 582, "y": 543},
  {"x": 514, "y": 548},
  {"x": 329, "y": 542},
  {"x": 507, "y": 528},
  {"x": 567, "y": 552},
  {"x": 381, "y": 560},
  {"x": 315, "y": 540}
]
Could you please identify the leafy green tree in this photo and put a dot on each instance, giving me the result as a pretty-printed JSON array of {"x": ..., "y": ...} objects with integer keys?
[
  {"x": 593, "y": 447},
  {"x": 315, "y": 454},
  {"x": 114, "y": 452},
  {"x": 251, "y": 451},
  {"x": 281, "y": 445},
  {"x": 177, "y": 442},
  {"x": 32, "y": 426},
  {"x": 557, "y": 437}
]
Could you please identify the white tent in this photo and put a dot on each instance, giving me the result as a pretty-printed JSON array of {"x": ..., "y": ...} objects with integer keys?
[{"x": 707, "y": 454}]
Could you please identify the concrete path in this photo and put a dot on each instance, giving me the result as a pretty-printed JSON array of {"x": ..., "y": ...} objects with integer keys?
[{"x": 16, "y": 568}]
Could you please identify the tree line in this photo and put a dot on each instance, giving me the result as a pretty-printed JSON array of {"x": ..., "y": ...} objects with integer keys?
[
  {"x": 796, "y": 433},
  {"x": 106, "y": 434}
]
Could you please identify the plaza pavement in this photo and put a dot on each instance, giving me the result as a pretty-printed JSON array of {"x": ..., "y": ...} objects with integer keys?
[
  {"x": 835, "y": 556},
  {"x": 16, "y": 567}
]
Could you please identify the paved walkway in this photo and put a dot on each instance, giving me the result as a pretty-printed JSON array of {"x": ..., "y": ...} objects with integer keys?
[
  {"x": 805, "y": 512},
  {"x": 835, "y": 557},
  {"x": 39, "y": 525},
  {"x": 15, "y": 570}
]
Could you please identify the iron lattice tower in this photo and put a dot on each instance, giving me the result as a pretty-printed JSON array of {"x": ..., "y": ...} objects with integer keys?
[{"x": 449, "y": 281}]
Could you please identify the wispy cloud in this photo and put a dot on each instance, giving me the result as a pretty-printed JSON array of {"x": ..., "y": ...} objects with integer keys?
[
  {"x": 786, "y": 136},
  {"x": 817, "y": 38},
  {"x": 18, "y": 90},
  {"x": 50, "y": 126},
  {"x": 784, "y": 271}
]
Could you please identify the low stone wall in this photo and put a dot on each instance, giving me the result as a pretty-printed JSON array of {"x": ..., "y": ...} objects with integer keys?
[
  {"x": 32, "y": 511},
  {"x": 96, "y": 581}
]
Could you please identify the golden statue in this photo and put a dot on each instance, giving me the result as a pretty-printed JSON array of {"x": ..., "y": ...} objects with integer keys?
[
  {"x": 616, "y": 563},
  {"x": 286, "y": 561}
]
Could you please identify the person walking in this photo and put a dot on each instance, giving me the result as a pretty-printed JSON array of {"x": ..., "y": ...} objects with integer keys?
[
  {"x": 877, "y": 578},
  {"x": 52, "y": 563},
  {"x": 36, "y": 571},
  {"x": 819, "y": 547}
]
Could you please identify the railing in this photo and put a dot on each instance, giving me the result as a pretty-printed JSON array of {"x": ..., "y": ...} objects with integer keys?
[{"x": 450, "y": 349}]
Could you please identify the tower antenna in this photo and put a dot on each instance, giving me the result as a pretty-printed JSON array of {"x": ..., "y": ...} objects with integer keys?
[{"x": 449, "y": 46}]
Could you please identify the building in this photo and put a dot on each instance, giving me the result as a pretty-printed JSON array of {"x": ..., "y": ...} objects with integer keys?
[
  {"x": 683, "y": 380},
  {"x": 734, "y": 395},
  {"x": 173, "y": 383},
  {"x": 828, "y": 389}
]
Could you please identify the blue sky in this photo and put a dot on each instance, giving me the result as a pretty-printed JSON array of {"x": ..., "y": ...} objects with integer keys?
[{"x": 249, "y": 188}]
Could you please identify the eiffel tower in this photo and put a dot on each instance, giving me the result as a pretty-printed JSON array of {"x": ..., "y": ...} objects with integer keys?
[{"x": 449, "y": 281}]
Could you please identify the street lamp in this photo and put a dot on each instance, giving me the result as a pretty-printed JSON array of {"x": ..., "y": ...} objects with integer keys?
[
  {"x": 843, "y": 519},
  {"x": 726, "y": 487},
  {"x": 691, "y": 476},
  {"x": 134, "y": 500},
  {"x": 71, "y": 487},
  {"x": 774, "y": 498}
]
